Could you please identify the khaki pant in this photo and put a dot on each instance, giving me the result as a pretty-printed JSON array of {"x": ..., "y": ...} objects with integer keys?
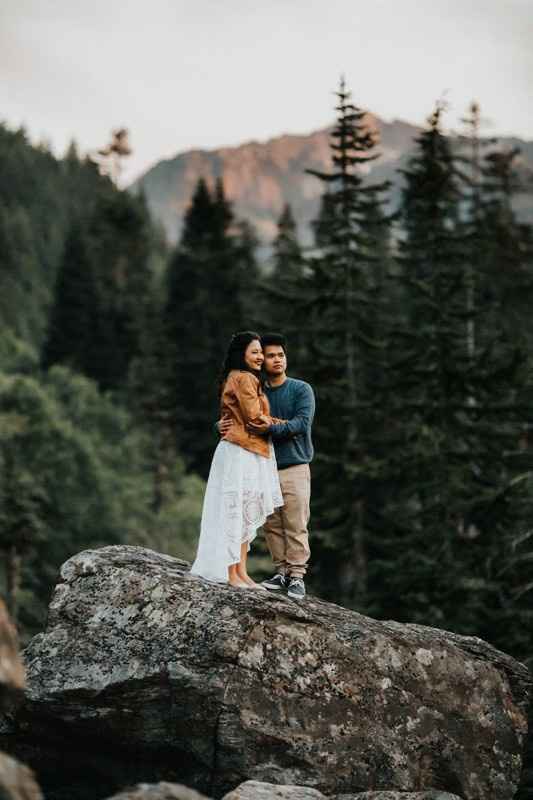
[{"x": 286, "y": 529}]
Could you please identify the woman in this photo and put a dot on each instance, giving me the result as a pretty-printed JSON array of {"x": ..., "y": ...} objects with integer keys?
[{"x": 243, "y": 485}]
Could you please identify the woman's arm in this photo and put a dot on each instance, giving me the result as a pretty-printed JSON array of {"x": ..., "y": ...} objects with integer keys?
[{"x": 247, "y": 394}]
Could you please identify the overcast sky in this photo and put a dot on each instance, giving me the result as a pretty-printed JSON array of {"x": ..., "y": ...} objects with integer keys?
[{"x": 208, "y": 73}]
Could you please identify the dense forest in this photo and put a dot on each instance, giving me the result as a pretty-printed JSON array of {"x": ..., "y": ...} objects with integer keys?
[{"x": 413, "y": 328}]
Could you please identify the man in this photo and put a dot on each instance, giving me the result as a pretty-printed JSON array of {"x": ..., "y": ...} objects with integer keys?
[{"x": 286, "y": 529}]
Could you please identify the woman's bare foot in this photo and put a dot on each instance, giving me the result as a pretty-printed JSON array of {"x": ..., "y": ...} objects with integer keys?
[
  {"x": 237, "y": 583},
  {"x": 243, "y": 576},
  {"x": 234, "y": 577},
  {"x": 250, "y": 583}
]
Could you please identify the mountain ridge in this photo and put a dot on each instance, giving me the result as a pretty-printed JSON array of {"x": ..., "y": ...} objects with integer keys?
[{"x": 261, "y": 176}]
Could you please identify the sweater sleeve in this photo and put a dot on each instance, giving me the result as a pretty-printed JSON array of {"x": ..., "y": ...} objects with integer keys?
[{"x": 302, "y": 419}]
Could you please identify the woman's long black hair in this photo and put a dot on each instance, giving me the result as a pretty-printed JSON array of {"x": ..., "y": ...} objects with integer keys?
[{"x": 234, "y": 358}]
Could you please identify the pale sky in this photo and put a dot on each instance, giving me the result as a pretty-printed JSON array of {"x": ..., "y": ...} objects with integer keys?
[{"x": 210, "y": 73}]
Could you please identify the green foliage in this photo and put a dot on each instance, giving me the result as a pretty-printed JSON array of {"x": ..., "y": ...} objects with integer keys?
[
  {"x": 38, "y": 194},
  {"x": 341, "y": 300},
  {"x": 281, "y": 305},
  {"x": 103, "y": 287},
  {"x": 16, "y": 356},
  {"x": 75, "y": 474},
  {"x": 74, "y": 314}
]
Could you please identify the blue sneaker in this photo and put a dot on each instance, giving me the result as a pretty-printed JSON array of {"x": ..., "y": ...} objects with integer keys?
[
  {"x": 276, "y": 583},
  {"x": 296, "y": 589}
]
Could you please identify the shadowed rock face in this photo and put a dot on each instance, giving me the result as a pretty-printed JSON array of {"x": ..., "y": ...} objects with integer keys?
[
  {"x": 166, "y": 675},
  {"x": 16, "y": 780}
]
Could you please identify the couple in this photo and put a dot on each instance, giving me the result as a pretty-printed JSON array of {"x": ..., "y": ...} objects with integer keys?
[{"x": 260, "y": 470}]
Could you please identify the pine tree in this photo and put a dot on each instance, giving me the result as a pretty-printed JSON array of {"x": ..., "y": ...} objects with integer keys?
[
  {"x": 284, "y": 291},
  {"x": 472, "y": 218},
  {"x": 459, "y": 495},
  {"x": 120, "y": 238},
  {"x": 75, "y": 312},
  {"x": 343, "y": 351},
  {"x": 287, "y": 250},
  {"x": 508, "y": 247},
  {"x": 102, "y": 290},
  {"x": 208, "y": 279}
]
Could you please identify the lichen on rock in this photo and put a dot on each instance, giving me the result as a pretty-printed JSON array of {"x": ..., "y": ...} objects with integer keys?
[{"x": 213, "y": 686}]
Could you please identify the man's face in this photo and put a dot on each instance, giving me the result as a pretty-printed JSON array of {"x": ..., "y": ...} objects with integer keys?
[{"x": 275, "y": 359}]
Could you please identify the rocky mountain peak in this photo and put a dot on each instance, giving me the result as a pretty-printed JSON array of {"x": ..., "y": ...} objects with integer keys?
[{"x": 260, "y": 177}]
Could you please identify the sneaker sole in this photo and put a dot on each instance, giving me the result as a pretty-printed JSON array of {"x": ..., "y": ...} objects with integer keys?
[{"x": 272, "y": 588}]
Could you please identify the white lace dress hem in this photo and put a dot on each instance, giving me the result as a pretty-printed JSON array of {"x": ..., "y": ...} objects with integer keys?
[{"x": 242, "y": 491}]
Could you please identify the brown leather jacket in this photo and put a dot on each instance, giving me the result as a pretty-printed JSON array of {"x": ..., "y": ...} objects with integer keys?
[{"x": 244, "y": 401}]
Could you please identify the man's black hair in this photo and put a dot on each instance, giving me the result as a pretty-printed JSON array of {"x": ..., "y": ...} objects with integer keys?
[{"x": 274, "y": 338}]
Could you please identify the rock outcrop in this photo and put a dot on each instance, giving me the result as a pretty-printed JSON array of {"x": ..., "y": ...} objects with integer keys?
[
  {"x": 170, "y": 677},
  {"x": 16, "y": 780},
  {"x": 159, "y": 791},
  {"x": 260, "y": 177},
  {"x": 433, "y": 794},
  {"x": 257, "y": 790}
]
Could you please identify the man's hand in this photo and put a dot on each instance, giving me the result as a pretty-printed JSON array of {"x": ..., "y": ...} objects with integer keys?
[
  {"x": 224, "y": 425},
  {"x": 259, "y": 427}
]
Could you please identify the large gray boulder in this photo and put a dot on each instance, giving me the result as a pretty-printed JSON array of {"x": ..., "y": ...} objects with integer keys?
[
  {"x": 169, "y": 676},
  {"x": 158, "y": 791},
  {"x": 16, "y": 780},
  {"x": 432, "y": 794},
  {"x": 258, "y": 790}
]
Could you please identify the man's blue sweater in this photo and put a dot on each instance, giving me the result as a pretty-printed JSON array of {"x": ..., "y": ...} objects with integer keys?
[{"x": 294, "y": 401}]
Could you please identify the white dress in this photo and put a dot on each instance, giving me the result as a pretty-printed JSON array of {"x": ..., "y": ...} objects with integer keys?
[{"x": 242, "y": 491}]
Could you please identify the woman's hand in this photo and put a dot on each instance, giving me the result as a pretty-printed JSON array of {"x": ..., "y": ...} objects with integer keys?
[
  {"x": 224, "y": 425},
  {"x": 261, "y": 426}
]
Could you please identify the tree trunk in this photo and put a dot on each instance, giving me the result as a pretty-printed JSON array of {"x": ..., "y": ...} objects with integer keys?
[
  {"x": 359, "y": 555},
  {"x": 353, "y": 571},
  {"x": 13, "y": 579}
]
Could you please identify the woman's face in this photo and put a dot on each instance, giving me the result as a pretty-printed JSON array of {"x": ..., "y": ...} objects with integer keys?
[{"x": 253, "y": 355}]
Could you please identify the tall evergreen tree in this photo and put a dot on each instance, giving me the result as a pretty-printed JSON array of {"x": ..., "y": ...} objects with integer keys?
[
  {"x": 39, "y": 195},
  {"x": 75, "y": 312},
  {"x": 208, "y": 277},
  {"x": 508, "y": 243},
  {"x": 472, "y": 217},
  {"x": 283, "y": 290},
  {"x": 459, "y": 496},
  {"x": 287, "y": 250},
  {"x": 342, "y": 354},
  {"x": 103, "y": 287}
]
